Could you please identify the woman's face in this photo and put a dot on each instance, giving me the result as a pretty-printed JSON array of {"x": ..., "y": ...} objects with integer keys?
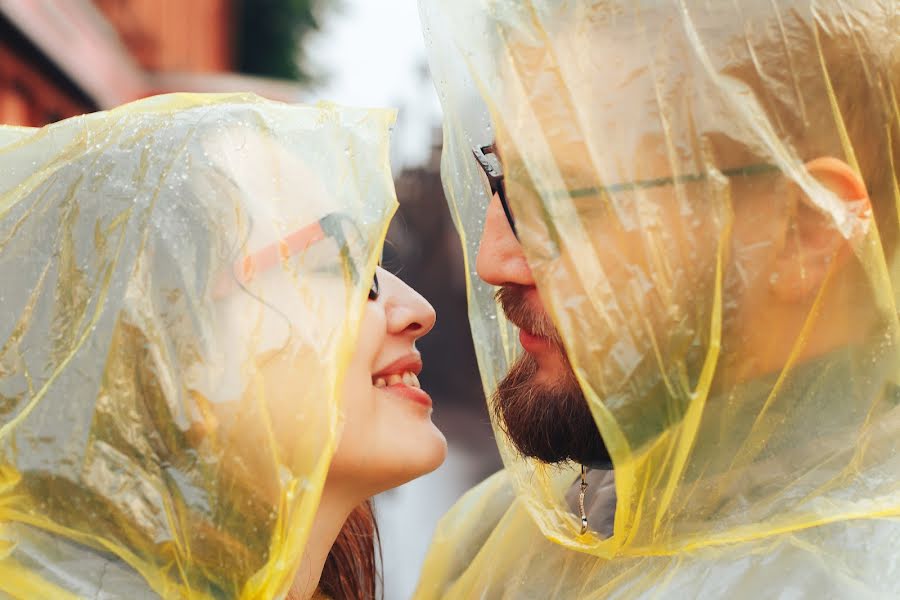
[
  {"x": 288, "y": 316},
  {"x": 387, "y": 437}
]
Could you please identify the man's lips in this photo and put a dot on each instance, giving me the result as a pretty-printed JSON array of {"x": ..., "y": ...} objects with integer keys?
[
  {"x": 532, "y": 343},
  {"x": 528, "y": 315}
]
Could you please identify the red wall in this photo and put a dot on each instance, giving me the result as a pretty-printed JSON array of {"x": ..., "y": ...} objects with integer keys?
[
  {"x": 30, "y": 93},
  {"x": 174, "y": 35},
  {"x": 161, "y": 35}
]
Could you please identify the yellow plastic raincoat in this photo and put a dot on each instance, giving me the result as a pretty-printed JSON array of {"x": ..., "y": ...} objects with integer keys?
[
  {"x": 182, "y": 283},
  {"x": 630, "y": 134}
]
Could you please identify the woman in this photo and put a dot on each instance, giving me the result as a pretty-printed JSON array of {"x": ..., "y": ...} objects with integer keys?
[{"x": 203, "y": 374}]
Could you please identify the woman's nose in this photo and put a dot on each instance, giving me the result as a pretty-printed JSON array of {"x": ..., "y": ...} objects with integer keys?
[{"x": 406, "y": 310}]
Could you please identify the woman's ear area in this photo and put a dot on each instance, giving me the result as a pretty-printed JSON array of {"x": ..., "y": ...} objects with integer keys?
[{"x": 813, "y": 243}]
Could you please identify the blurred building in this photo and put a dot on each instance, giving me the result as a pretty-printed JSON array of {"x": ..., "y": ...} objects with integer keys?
[{"x": 63, "y": 58}]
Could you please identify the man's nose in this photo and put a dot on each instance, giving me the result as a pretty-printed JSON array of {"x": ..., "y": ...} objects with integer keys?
[{"x": 500, "y": 258}]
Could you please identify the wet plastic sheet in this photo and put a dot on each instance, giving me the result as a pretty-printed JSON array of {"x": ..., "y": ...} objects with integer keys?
[
  {"x": 182, "y": 281},
  {"x": 642, "y": 143}
]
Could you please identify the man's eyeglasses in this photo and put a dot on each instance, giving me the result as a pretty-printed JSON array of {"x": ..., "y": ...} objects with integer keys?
[
  {"x": 490, "y": 164},
  {"x": 489, "y": 161}
]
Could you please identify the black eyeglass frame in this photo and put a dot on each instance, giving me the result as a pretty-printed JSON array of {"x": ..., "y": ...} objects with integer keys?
[{"x": 495, "y": 179}]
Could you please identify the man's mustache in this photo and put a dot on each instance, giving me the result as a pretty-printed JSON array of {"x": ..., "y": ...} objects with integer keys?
[{"x": 512, "y": 298}]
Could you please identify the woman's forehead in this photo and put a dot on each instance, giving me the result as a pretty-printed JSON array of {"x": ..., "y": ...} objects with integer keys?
[{"x": 279, "y": 189}]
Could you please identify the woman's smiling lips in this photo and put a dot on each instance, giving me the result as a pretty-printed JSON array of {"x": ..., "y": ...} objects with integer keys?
[{"x": 401, "y": 377}]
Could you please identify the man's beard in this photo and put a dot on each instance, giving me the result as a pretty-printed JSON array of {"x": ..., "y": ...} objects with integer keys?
[{"x": 547, "y": 421}]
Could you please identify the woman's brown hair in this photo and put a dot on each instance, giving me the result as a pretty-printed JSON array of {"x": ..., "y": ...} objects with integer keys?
[{"x": 351, "y": 571}]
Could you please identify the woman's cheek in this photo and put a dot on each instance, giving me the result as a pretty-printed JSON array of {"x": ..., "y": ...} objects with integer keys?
[{"x": 359, "y": 390}]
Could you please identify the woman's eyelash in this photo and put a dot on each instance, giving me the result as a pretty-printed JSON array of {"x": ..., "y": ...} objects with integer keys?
[{"x": 373, "y": 291}]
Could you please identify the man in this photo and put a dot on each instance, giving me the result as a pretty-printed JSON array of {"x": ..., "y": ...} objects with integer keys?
[{"x": 693, "y": 225}]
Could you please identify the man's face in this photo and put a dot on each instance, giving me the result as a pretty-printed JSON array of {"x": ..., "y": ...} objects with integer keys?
[
  {"x": 628, "y": 268},
  {"x": 654, "y": 267},
  {"x": 653, "y": 243},
  {"x": 539, "y": 402}
]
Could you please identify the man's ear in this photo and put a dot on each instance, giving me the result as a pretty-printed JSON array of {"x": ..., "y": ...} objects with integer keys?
[{"x": 812, "y": 243}]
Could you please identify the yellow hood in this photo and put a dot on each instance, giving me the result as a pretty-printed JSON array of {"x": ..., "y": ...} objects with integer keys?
[
  {"x": 726, "y": 453},
  {"x": 183, "y": 279}
]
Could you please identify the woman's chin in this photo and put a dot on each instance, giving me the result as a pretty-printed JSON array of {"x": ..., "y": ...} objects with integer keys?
[
  {"x": 421, "y": 458},
  {"x": 391, "y": 462},
  {"x": 439, "y": 452},
  {"x": 415, "y": 445}
]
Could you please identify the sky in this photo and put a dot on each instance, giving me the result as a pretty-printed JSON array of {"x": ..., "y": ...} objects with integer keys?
[{"x": 373, "y": 54}]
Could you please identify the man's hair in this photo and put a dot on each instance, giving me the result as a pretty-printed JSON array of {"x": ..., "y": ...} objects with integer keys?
[
  {"x": 830, "y": 86},
  {"x": 816, "y": 73}
]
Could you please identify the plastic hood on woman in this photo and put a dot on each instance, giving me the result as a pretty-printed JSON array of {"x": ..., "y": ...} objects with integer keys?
[{"x": 170, "y": 270}]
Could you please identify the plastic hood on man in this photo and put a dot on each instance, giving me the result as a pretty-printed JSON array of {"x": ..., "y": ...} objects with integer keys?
[{"x": 707, "y": 196}]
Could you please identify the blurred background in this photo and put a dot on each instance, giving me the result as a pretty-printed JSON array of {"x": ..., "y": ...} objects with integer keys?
[{"x": 60, "y": 58}]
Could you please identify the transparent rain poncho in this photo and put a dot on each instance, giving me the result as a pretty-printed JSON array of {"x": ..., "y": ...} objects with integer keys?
[
  {"x": 630, "y": 132},
  {"x": 182, "y": 284}
]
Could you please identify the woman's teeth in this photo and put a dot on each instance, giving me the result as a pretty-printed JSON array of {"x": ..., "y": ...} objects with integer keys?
[{"x": 408, "y": 378}]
